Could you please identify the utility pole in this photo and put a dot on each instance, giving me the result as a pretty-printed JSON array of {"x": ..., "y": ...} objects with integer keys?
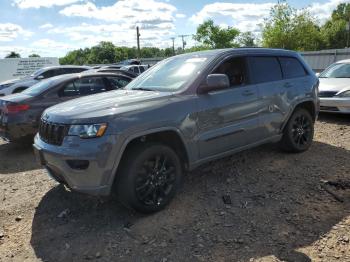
[
  {"x": 348, "y": 33},
  {"x": 138, "y": 41},
  {"x": 183, "y": 41},
  {"x": 173, "y": 38}
]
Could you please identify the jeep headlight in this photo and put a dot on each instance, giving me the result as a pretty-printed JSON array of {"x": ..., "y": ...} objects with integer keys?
[
  {"x": 344, "y": 94},
  {"x": 87, "y": 131}
]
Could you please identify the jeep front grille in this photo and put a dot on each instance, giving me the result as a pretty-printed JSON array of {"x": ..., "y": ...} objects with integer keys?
[{"x": 52, "y": 133}]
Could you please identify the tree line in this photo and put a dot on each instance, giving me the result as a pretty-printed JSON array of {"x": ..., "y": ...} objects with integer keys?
[{"x": 286, "y": 27}]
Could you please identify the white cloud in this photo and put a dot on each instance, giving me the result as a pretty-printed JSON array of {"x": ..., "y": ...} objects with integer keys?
[
  {"x": 323, "y": 11},
  {"x": 51, "y": 44},
  {"x": 121, "y": 35},
  {"x": 179, "y": 15},
  {"x": 23, "y": 4},
  {"x": 249, "y": 16},
  {"x": 244, "y": 16},
  {"x": 9, "y": 32},
  {"x": 46, "y": 26},
  {"x": 131, "y": 12}
]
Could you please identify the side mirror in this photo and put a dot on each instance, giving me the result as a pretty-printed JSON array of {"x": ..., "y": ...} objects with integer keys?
[
  {"x": 214, "y": 82},
  {"x": 39, "y": 77}
]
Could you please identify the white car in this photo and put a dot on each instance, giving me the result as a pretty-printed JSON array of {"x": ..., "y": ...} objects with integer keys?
[
  {"x": 18, "y": 85},
  {"x": 334, "y": 88},
  {"x": 137, "y": 69}
]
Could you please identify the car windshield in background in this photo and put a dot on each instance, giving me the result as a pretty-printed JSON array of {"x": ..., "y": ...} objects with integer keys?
[
  {"x": 171, "y": 74},
  {"x": 39, "y": 87},
  {"x": 338, "y": 70},
  {"x": 38, "y": 72}
]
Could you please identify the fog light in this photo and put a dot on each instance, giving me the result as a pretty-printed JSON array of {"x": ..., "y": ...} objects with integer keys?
[{"x": 78, "y": 164}]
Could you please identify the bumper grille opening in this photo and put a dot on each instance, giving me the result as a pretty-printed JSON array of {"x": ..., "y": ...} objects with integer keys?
[
  {"x": 52, "y": 133},
  {"x": 78, "y": 164},
  {"x": 329, "y": 108}
]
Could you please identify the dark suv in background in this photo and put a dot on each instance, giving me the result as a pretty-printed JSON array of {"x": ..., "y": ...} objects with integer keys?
[
  {"x": 181, "y": 113},
  {"x": 44, "y": 73},
  {"x": 20, "y": 113}
]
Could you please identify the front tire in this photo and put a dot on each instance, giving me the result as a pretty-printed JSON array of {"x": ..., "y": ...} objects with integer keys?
[
  {"x": 149, "y": 177},
  {"x": 299, "y": 132}
]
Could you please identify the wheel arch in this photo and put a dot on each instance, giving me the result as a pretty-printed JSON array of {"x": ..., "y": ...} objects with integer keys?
[
  {"x": 168, "y": 135},
  {"x": 309, "y": 105}
]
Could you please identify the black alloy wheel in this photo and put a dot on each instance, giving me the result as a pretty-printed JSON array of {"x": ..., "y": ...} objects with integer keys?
[
  {"x": 149, "y": 177},
  {"x": 299, "y": 132}
]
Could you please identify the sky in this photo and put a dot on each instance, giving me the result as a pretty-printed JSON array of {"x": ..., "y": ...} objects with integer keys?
[{"x": 51, "y": 28}]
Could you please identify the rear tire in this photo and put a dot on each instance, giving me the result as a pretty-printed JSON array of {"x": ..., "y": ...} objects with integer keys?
[
  {"x": 149, "y": 177},
  {"x": 299, "y": 132}
]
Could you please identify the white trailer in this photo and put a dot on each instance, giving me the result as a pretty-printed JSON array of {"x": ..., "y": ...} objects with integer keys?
[{"x": 13, "y": 68}]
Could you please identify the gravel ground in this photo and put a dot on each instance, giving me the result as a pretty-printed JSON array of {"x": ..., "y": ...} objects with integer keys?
[{"x": 278, "y": 212}]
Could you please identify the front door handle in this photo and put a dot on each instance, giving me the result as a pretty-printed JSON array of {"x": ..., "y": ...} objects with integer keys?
[{"x": 248, "y": 93}]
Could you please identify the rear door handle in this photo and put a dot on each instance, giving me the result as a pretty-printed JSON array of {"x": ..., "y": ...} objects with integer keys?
[{"x": 248, "y": 93}]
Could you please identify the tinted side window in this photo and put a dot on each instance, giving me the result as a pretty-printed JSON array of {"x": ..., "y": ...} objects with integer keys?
[
  {"x": 84, "y": 86},
  {"x": 264, "y": 69},
  {"x": 142, "y": 69},
  {"x": 116, "y": 82},
  {"x": 49, "y": 73},
  {"x": 75, "y": 70},
  {"x": 136, "y": 70},
  {"x": 291, "y": 67},
  {"x": 235, "y": 69}
]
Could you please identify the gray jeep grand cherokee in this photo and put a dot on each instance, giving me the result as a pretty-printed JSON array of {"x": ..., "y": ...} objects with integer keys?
[{"x": 183, "y": 112}]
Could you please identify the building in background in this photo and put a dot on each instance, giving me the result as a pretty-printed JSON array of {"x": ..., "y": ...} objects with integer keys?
[{"x": 14, "y": 68}]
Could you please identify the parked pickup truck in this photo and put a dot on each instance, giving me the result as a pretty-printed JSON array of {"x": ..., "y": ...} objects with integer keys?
[{"x": 183, "y": 112}]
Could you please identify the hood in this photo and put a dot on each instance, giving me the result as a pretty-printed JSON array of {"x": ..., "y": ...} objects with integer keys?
[
  {"x": 101, "y": 105},
  {"x": 334, "y": 84},
  {"x": 10, "y": 82},
  {"x": 16, "y": 98}
]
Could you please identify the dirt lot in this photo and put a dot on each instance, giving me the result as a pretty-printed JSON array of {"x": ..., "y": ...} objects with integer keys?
[{"x": 279, "y": 211}]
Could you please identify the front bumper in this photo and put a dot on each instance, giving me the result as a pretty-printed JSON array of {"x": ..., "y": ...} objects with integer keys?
[
  {"x": 96, "y": 178},
  {"x": 335, "y": 105}
]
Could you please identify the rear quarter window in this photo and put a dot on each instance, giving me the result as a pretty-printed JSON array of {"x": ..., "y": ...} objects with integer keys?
[
  {"x": 264, "y": 69},
  {"x": 291, "y": 67}
]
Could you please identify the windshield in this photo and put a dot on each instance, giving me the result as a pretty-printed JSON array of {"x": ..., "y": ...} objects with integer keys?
[
  {"x": 337, "y": 70},
  {"x": 171, "y": 74},
  {"x": 39, "y": 87},
  {"x": 38, "y": 72}
]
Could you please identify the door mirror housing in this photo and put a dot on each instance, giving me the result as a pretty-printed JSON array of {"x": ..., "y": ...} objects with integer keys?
[
  {"x": 214, "y": 82},
  {"x": 39, "y": 77}
]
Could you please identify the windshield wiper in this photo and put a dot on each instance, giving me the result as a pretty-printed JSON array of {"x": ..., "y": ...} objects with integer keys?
[{"x": 142, "y": 89}]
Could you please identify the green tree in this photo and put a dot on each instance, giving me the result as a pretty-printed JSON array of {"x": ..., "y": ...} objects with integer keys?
[
  {"x": 13, "y": 54},
  {"x": 211, "y": 35},
  {"x": 34, "y": 55},
  {"x": 247, "y": 39},
  {"x": 289, "y": 28},
  {"x": 103, "y": 53},
  {"x": 334, "y": 30}
]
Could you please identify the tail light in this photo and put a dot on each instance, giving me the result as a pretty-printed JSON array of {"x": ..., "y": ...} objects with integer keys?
[{"x": 14, "y": 109}]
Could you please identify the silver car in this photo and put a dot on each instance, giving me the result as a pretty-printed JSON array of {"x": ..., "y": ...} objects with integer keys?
[{"x": 334, "y": 88}]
